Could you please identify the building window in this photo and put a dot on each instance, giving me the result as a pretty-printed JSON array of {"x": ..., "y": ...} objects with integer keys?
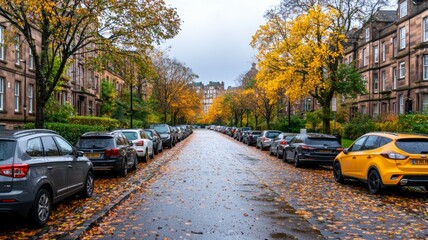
[
  {"x": 425, "y": 103},
  {"x": 1, "y": 43},
  {"x": 30, "y": 59},
  {"x": 375, "y": 83},
  {"x": 30, "y": 98},
  {"x": 425, "y": 69},
  {"x": 394, "y": 46},
  {"x": 363, "y": 109},
  {"x": 375, "y": 110},
  {"x": 367, "y": 34},
  {"x": 350, "y": 58},
  {"x": 17, "y": 93},
  {"x": 18, "y": 50},
  {"x": 383, "y": 80},
  {"x": 376, "y": 53},
  {"x": 383, "y": 52},
  {"x": 1, "y": 94},
  {"x": 364, "y": 57},
  {"x": 402, "y": 38},
  {"x": 401, "y": 101},
  {"x": 403, "y": 9},
  {"x": 402, "y": 70},
  {"x": 394, "y": 78}
]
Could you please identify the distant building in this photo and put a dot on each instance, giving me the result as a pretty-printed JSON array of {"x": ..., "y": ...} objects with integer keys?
[{"x": 209, "y": 92}]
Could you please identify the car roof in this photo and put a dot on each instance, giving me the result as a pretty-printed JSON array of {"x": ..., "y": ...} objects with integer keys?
[
  {"x": 14, "y": 134},
  {"x": 99, "y": 134},
  {"x": 393, "y": 135},
  {"x": 318, "y": 135}
]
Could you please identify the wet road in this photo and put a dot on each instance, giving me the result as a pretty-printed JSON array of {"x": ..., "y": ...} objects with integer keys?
[{"x": 218, "y": 188}]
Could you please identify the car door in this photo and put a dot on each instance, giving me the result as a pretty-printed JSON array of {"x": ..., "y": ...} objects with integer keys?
[
  {"x": 347, "y": 161},
  {"x": 364, "y": 159},
  {"x": 76, "y": 172},
  {"x": 290, "y": 148},
  {"x": 57, "y": 166},
  {"x": 147, "y": 140}
]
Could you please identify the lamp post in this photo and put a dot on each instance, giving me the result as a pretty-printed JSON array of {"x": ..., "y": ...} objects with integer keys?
[{"x": 25, "y": 91}]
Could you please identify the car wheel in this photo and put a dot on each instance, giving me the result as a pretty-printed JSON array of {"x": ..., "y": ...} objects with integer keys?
[
  {"x": 297, "y": 163},
  {"x": 89, "y": 185},
  {"x": 270, "y": 151},
  {"x": 284, "y": 157},
  {"x": 146, "y": 156},
  {"x": 124, "y": 170},
  {"x": 135, "y": 166},
  {"x": 171, "y": 144},
  {"x": 277, "y": 154},
  {"x": 41, "y": 208},
  {"x": 156, "y": 150},
  {"x": 374, "y": 182},
  {"x": 337, "y": 172}
]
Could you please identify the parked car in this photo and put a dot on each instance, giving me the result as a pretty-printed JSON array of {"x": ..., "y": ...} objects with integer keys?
[
  {"x": 278, "y": 144},
  {"x": 312, "y": 148},
  {"x": 166, "y": 133},
  {"x": 156, "y": 139},
  {"x": 251, "y": 137},
  {"x": 385, "y": 159},
  {"x": 265, "y": 139},
  {"x": 141, "y": 142},
  {"x": 238, "y": 133},
  {"x": 109, "y": 151},
  {"x": 39, "y": 168}
]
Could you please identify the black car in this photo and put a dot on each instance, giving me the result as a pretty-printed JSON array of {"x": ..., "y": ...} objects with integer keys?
[
  {"x": 166, "y": 133},
  {"x": 251, "y": 137},
  {"x": 312, "y": 148},
  {"x": 156, "y": 138},
  {"x": 108, "y": 151},
  {"x": 278, "y": 144},
  {"x": 39, "y": 168}
]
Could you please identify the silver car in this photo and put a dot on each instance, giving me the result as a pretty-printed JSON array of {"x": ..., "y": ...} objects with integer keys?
[
  {"x": 38, "y": 168},
  {"x": 140, "y": 142}
]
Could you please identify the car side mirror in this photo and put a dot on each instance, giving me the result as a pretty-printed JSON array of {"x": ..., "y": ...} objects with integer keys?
[
  {"x": 345, "y": 151},
  {"x": 79, "y": 154}
]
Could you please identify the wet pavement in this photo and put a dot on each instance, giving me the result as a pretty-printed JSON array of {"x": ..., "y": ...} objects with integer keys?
[{"x": 218, "y": 188}]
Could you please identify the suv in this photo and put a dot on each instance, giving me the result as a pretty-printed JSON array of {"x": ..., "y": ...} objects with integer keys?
[
  {"x": 109, "y": 151},
  {"x": 38, "y": 168},
  {"x": 167, "y": 134},
  {"x": 266, "y": 137},
  {"x": 385, "y": 159},
  {"x": 141, "y": 142}
]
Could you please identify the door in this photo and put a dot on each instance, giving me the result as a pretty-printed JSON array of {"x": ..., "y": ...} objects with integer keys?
[
  {"x": 347, "y": 161},
  {"x": 76, "y": 172},
  {"x": 363, "y": 161}
]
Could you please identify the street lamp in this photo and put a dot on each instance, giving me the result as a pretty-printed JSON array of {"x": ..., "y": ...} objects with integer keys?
[{"x": 25, "y": 90}]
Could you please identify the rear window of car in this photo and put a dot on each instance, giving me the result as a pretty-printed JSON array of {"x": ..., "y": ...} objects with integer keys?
[
  {"x": 329, "y": 142},
  {"x": 272, "y": 134},
  {"x": 94, "y": 142},
  {"x": 150, "y": 133},
  {"x": 414, "y": 146},
  {"x": 7, "y": 149},
  {"x": 288, "y": 138},
  {"x": 131, "y": 135},
  {"x": 256, "y": 133}
]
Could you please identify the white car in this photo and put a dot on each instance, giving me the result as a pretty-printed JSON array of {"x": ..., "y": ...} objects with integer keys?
[{"x": 140, "y": 142}]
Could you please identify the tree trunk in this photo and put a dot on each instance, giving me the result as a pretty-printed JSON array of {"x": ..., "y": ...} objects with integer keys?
[
  {"x": 256, "y": 118},
  {"x": 326, "y": 111}
]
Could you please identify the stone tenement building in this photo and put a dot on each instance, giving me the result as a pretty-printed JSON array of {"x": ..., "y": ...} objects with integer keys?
[
  {"x": 391, "y": 52},
  {"x": 209, "y": 92}
]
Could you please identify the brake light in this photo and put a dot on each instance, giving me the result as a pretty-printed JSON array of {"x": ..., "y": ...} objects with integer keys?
[
  {"x": 15, "y": 170},
  {"x": 339, "y": 149},
  {"x": 282, "y": 142},
  {"x": 265, "y": 139},
  {"x": 114, "y": 152},
  {"x": 140, "y": 143},
  {"x": 304, "y": 147},
  {"x": 394, "y": 155}
]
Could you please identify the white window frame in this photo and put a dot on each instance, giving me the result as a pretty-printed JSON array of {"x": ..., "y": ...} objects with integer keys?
[
  {"x": 2, "y": 93},
  {"x": 375, "y": 109},
  {"x": 425, "y": 68},
  {"x": 394, "y": 78},
  {"x": 375, "y": 83},
  {"x": 394, "y": 45},
  {"x": 2, "y": 49},
  {"x": 18, "y": 50},
  {"x": 30, "y": 98},
  {"x": 17, "y": 93},
  {"x": 383, "y": 80},
  {"x": 383, "y": 52},
  {"x": 403, "y": 9},
  {"x": 367, "y": 34},
  {"x": 363, "y": 109},
  {"x": 365, "y": 57},
  {"x": 401, "y": 106},
  {"x": 425, "y": 29},
  {"x": 402, "y": 70},
  {"x": 30, "y": 59},
  {"x": 350, "y": 59},
  {"x": 376, "y": 54},
  {"x": 402, "y": 38}
]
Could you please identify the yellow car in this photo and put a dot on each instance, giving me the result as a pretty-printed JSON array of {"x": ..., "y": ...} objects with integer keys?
[{"x": 385, "y": 159}]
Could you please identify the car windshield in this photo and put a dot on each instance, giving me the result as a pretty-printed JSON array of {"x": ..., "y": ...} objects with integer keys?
[
  {"x": 94, "y": 142},
  {"x": 288, "y": 138},
  {"x": 272, "y": 134},
  {"x": 414, "y": 146},
  {"x": 131, "y": 135},
  {"x": 7, "y": 149},
  {"x": 150, "y": 133},
  {"x": 328, "y": 142},
  {"x": 161, "y": 129}
]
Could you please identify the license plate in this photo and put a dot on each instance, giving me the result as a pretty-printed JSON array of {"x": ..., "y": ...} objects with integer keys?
[
  {"x": 420, "y": 161},
  {"x": 92, "y": 155},
  {"x": 324, "y": 150}
]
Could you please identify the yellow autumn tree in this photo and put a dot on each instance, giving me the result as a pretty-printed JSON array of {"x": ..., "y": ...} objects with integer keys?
[{"x": 302, "y": 57}]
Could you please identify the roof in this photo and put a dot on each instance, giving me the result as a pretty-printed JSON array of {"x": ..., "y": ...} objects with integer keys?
[
  {"x": 398, "y": 135},
  {"x": 385, "y": 16}
]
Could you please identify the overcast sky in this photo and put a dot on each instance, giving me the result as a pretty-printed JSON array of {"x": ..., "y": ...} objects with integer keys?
[{"x": 215, "y": 36}]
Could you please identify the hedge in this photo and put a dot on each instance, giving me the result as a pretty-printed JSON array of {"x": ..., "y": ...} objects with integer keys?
[{"x": 106, "y": 123}]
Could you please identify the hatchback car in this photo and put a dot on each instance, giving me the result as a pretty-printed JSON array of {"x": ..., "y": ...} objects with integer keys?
[
  {"x": 312, "y": 148},
  {"x": 265, "y": 139},
  {"x": 251, "y": 137},
  {"x": 108, "y": 151},
  {"x": 385, "y": 159},
  {"x": 141, "y": 142},
  {"x": 156, "y": 139},
  {"x": 38, "y": 168},
  {"x": 278, "y": 144}
]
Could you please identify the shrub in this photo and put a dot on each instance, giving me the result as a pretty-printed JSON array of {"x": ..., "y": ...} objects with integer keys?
[
  {"x": 105, "y": 123},
  {"x": 281, "y": 124},
  {"x": 56, "y": 112},
  {"x": 416, "y": 123},
  {"x": 358, "y": 126}
]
